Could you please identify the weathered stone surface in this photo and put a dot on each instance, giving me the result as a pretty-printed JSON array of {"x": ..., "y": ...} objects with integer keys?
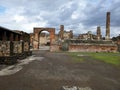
[
  {"x": 87, "y": 36},
  {"x": 65, "y": 34},
  {"x": 99, "y": 36},
  {"x": 26, "y": 46},
  {"x": 4, "y": 48},
  {"x": 93, "y": 48},
  {"x": 17, "y": 47},
  {"x": 37, "y": 32},
  {"x": 75, "y": 88},
  {"x": 108, "y": 26},
  {"x": 54, "y": 48}
]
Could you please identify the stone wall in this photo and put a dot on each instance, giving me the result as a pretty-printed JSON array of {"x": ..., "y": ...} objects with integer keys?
[
  {"x": 54, "y": 48},
  {"x": 8, "y": 48},
  {"x": 4, "y": 48},
  {"x": 93, "y": 48},
  {"x": 17, "y": 47},
  {"x": 26, "y": 46}
]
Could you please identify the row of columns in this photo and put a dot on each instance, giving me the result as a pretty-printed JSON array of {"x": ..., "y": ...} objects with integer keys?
[{"x": 107, "y": 36}]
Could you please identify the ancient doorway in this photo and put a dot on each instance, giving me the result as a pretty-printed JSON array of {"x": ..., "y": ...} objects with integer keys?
[
  {"x": 37, "y": 33},
  {"x": 44, "y": 40}
]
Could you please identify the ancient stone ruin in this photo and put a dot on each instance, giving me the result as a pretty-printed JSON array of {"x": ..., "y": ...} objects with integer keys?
[
  {"x": 13, "y": 45},
  {"x": 86, "y": 42}
]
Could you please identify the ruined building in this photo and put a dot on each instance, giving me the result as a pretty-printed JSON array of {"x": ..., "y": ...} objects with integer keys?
[
  {"x": 14, "y": 44},
  {"x": 86, "y": 42},
  {"x": 94, "y": 43},
  {"x": 98, "y": 36},
  {"x": 90, "y": 36},
  {"x": 117, "y": 41},
  {"x": 35, "y": 36},
  {"x": 65, "y": 34},
  {"x": 87, "y": 36}
]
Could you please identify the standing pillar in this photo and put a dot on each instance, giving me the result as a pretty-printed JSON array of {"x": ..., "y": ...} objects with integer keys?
[
  {"x": 36, "y": 40},
  {"x": 61, "y": 27},
  {"x": 108, "y": 26},
  {"x": 98, "y": 33},
  {"x": 61, "y": 31},
  {"x": 52, "y": 36}
]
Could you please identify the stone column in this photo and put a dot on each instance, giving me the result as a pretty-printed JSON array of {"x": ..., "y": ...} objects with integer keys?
[
  {"x": 98, "y": 33},
  {"x": 52, "y": 36},
  {"x": 61, "y": 27},
  {"x": 71, "y": 34},
  {"x": 107, "y": 26},
  {"x": 61, "y": 31},
  {"x": 36, "y": 40}
]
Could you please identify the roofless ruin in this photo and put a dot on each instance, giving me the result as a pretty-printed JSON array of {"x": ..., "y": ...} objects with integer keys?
[{"x": 86, "y": 42}]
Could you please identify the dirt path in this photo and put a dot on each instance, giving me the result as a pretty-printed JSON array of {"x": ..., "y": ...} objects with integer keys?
[{"x": 57, "y": 71}]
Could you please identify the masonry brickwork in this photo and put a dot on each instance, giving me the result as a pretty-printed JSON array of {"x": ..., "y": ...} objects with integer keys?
[
  {"x": 97, "y": 43},
  {"x": 107, "y": 26},
  {"x": 36, "y": 36},
  {"x": 65, "y": 34}
]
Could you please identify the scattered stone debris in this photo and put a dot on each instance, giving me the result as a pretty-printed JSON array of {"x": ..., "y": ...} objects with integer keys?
[
  {"x": 75, "y": 88},
  {"x": 17, "y": 67},
  {"x": 81, "y": 55}
]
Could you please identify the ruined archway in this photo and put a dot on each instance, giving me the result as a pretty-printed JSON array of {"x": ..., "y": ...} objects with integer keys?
[
  {"x": 37, "y": 31},
  {"x": 44, "y": 38}
]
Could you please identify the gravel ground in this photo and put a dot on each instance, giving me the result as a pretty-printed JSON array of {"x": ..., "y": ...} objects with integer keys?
[{"x": 58, "y": 71}]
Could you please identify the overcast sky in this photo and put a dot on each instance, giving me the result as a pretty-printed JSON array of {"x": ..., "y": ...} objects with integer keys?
[{"x": 80, "y": 16}]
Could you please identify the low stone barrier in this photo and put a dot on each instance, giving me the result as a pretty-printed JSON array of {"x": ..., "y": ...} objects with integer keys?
[{"x": 93, "y": 48}]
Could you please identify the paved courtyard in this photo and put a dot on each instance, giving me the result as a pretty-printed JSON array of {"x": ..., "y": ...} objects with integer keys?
[{"x": 58, "y": 71}]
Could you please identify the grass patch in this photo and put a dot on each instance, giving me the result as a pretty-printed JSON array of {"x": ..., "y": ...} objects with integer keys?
[{"x": 112, "y": 58}]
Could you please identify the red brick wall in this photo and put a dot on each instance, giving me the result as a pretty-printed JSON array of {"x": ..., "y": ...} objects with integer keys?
[{"x": 93, "y": 48}]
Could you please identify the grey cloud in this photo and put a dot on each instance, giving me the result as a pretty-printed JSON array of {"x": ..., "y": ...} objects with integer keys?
[{"x": 55, "y": 12}]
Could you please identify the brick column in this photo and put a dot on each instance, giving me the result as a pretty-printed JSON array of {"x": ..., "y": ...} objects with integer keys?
[
  {"x": 61, "y": 31},
  {"x": 98, "y": 33},
  {"x": 107, "y": 26},
  {"x": 52, "y": 36},
  {"x": 61, "y": 27}
]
